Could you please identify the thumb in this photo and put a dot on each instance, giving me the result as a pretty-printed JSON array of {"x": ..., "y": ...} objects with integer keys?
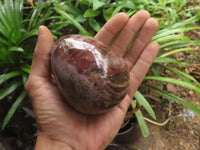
[{"x": 42, "y": 55}]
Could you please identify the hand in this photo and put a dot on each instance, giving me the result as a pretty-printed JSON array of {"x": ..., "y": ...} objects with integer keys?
[{"x": 59, "y": 125}]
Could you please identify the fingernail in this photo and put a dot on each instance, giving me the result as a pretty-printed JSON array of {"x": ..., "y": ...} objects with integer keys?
[{"x": 40, "y": 29}]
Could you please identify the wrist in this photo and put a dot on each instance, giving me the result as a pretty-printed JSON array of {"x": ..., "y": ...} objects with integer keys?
[{"x": 45, "y": 143}]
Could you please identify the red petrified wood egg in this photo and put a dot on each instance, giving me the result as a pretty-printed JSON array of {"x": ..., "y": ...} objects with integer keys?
[{"x": 90, "y": 76}]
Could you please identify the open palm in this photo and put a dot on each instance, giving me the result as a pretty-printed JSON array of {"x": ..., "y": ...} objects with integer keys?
[{"x": 59, "y": 125}]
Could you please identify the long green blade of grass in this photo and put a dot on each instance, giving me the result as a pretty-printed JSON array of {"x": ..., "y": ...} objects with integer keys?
[
  {"x": 11, "y": 19},
  {"x": 173, "y": 37},
  {"x": 19, "y": 13},
  {"x": 176, "y": 44},
  {"x": 94, "y": 24},
  {"x": 142, "y": 123},
  {"x": 155, "y": 70},
  {"x": 97, "y": 4},
  {"x": 3, "y": 18},
  {"x": 169, "y": 60},
  {"x": 73, "y": 21},
  {"x": 90, "y": 13},
  {"x": 131, "y": 6},
  {"x": 34, "y": 21},
  {"x": 142, "y": 100},
  {"x": 189, "y": 21},
  {"x": 24, "y": 79},
  {"x": 5, "y": 77},
  {"x": 181, "y": 74},
  {"x": 28, "y": 56},
  {"x": 175, "y": 81},
  {"x": 26, "y": 68},
  {"x": 140, "y": 118},
  {"x": 176, "y": 51},
  {"x": 13, "y": 108},
  {"x": 73, "y": 10},
  {"x": 177, "y": 26},
  {"x": 3, "y": 31},
  {"x": 16, "y": 49},
  {"x": 175, "y": 98},
  {"x": 28, "y": 35},
  {"x": 3, "y": 41},
  {"x": 170, "y": 31},
  {"x": 9, "y": 89}
]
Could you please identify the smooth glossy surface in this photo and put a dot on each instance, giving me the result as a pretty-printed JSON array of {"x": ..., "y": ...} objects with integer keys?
[{"x": 91, "y": 77}]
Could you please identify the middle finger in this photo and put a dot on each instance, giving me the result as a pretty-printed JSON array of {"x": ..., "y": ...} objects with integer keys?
[{"x": 126, "y": 35}]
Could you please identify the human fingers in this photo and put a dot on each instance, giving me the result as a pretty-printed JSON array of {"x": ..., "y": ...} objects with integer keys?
[
  {"x": 112, "y": 28},
  {"x": 141, "y": 67},
  {"x": 137, "y": 74},
  {"x": 142, "y": 40},
  {"x": 126, "y": 35},
  {"x": 41, "y": 58}
]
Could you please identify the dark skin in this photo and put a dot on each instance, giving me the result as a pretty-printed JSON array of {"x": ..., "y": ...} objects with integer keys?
[{"x": 60, "y": 127}]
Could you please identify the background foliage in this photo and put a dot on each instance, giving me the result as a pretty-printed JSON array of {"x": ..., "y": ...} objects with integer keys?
[{"x": 19, "y": 22}]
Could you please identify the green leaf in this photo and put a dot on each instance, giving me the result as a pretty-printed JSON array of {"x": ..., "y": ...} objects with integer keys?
[
  {"x": 176, "y": 44},
  {"x": 181, "y": 74},
  {"x": 73, "y": 10},
  {"x": 176, "y": 51},
  {"x": 29, "y": 34},
  {"x": 26, "y": 68},
  {"x": 13, "y": 108},
  {"x": 175, "y": 81},
  {"x": 130, "y": 13},
  {"x": 24, "y": 79},
  {"x": 3, "y": 41},
  {"x": 6, "y": 57},
  {"x": 175, "y": 98},
  {"x": 94, "y": 24},
  {"x": 142, "y": 123},
  {"x": 155, "y": 70},
  {"x": 81, "y": 19},
  {"x": 169, "y": 60},
  {"x": 34, "y": 21},
  {"x": 97, "y": 4},
  {"x": 4, "y": 19},
  {"x": 73, "y": 21},
  {"x": 173, "y": 37},
  {"x": 107, "y": 13},
  {"x": 133, "y": 104},
  {"x": 11, "y": 19},
  {"x": 28, "y": 56},
  {"x": 142, "y": 100},
  {"x": 91, "y": 13},
  {"x": 170, "y": 31},
  {"x": 187, "y": 22},
  {"x": 17, "y": 49},
  {"x": 117, "y": 10},
  {"x": 9, "y": 89},
  {"x": 5, "y": 77},
  {"x": 125, "y": 4}
]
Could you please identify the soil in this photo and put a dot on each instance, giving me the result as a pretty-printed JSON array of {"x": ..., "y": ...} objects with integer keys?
[{"x": 182, "y": 132}]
